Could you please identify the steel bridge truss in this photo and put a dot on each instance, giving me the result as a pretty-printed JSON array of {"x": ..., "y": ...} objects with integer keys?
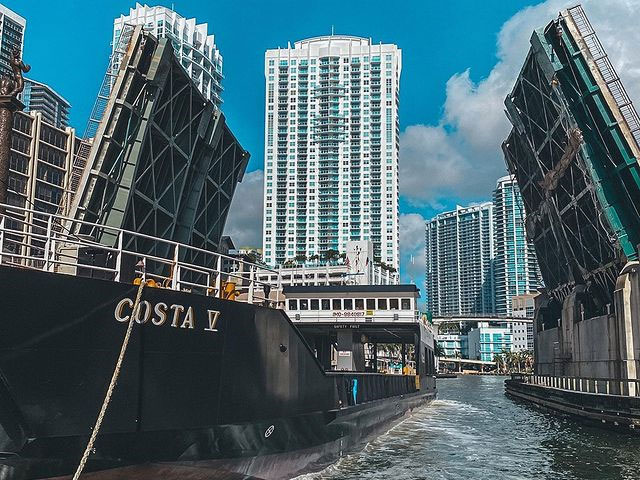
[
  {"x": 163, "y": 162},
  {"x": 574, "y": 154}
]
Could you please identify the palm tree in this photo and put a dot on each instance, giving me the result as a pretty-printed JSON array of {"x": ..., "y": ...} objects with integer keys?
[
  {"x": 499, "y": 359},
  {"x": 331, "y": 254}
]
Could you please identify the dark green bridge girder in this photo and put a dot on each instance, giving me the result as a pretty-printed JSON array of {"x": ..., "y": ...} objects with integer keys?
[
  {"x": 163, "y": 162},
  {"x": 589, "y": 226}
]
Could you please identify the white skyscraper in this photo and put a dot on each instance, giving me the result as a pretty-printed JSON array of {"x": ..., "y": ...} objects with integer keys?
[
  {"x": 459, "y": 254},
  {"x": 194, "y": 47},
  {"x": 331, "y": 148},
  {"x": 516, "y": 264}
]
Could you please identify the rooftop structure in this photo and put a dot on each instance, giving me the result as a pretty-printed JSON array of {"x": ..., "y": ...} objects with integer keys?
[
  {"x": 358, "y": 303},
  {"x": 194, "y": 47},
  {"x": 40, "y": 97},
  {"x": 574, "y": 151},
  {"x": 331, "y": 148},
  {"x": 347, "y": 323},
  {"x": 355, "y": 267}
]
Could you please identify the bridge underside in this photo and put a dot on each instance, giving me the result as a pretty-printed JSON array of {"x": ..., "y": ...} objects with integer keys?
[{"x": 163, "y": 163}]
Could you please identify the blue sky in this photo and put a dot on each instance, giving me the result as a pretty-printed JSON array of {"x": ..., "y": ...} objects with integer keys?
[{"x": 450, "y": 51}]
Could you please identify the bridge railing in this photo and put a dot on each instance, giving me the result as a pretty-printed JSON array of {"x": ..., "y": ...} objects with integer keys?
[{"x": 607, "y": 386}]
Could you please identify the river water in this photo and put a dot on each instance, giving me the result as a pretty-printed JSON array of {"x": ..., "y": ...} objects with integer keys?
[{"x": 473, "y": 431}]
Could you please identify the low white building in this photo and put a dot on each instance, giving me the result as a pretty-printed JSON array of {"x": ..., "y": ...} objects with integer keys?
[
  {"x": 523, "y": 306},
  {"x": 356, "y": 268},
  {"x": 487, "y": 341}
]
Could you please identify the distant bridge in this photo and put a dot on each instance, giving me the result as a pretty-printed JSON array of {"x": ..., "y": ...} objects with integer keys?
[
  {"x": 480, "y": 318},
  {"x": 465, "y": 360}
]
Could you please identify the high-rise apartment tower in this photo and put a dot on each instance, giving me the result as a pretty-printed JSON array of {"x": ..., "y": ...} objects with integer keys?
[
  {"x": 331, "y": 148},
  {"x": 516, "y": 266},
  {"x": 459, "y": 253},
  {"x": 195, "y": 48},
  {"x": 39, "y": 97}
]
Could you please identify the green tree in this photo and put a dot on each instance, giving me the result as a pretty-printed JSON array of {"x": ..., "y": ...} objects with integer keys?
[{"x": 331, "y": 255}]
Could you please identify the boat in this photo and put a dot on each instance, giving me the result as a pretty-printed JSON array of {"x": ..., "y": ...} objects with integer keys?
[{"x": 130, "y": 348}]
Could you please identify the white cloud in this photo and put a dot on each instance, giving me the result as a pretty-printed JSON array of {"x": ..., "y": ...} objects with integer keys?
[
  {"x": 244, "y": 222},
  {"x": 412, "y": 248},
  {"x": 460, "y": 157}
]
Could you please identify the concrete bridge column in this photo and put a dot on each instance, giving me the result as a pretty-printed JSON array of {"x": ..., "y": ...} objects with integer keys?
[{"x": 627, "y": 308}]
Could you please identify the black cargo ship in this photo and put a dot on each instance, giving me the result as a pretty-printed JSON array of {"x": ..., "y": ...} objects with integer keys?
[
  {"x": 208, "y": 384},
  {"x": 243, "y": 392}
]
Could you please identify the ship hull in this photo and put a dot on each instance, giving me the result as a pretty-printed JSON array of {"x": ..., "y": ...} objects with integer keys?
[{"x": 206, "y": 383}]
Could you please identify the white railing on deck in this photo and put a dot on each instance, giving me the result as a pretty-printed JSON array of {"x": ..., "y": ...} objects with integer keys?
[
  {"x": 608, "y": 386},
  {"x": 49, "y": 242}
]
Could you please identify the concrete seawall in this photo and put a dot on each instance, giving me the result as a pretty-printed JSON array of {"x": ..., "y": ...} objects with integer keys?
[{"x": 613, "y": 411}]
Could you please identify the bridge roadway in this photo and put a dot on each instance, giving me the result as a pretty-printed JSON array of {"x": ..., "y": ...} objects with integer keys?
[
  {"x": 465, "y": 360},
  {"x": 480, "y": 318}
]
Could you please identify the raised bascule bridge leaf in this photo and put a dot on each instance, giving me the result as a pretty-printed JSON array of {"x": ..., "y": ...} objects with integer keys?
[{"x": 574, "y": 151}]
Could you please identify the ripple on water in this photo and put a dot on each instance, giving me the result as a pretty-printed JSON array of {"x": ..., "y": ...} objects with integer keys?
[{"x": 472, "y": 431}]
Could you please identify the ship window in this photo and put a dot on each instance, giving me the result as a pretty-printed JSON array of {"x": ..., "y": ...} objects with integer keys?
[
  {"x": 337, "y": 304},
  {"x": 371, "y": 303},
  {"x": 406, "y": 304},
  {"x": 293, "y": 304},
  {"x": 304, "y": 304},
  {"x": 315, "y": 304},
  {"x": 382, "y": 304},
  {"x": 348, "y": 304},
  {"x": 326, "y": 304},
  {"x": 359, "y": 304},
  {"x": 393, "y": 304}
]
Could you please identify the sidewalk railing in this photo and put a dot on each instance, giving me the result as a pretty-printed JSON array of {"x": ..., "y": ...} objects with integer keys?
[
  {"x": 608, "y": 386},
  {"x": 44, "y": 241}
]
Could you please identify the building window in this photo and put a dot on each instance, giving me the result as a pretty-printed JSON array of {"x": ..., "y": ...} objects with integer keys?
[
  {"x": 315, "y": 304},
  {"x": 371, "y": 303},
  {"x": 348, "y": 304},
  {"x": 337, "y": 304},
  {"x": 393, "y": 304},
  {"x": 406, "y": 304},
  {"x": 304, "y": 304},
  {"x": 382, "y": 304},
  {"x": 359, "y": 304},
  {"x": 326, "y": 304},
  {"x": 293, "y": 304}
]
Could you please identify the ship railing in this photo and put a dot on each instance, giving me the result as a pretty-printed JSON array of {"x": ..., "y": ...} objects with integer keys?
[
  {"x": 627, "y": 387},
  {"x": 50, "y": 242}
]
